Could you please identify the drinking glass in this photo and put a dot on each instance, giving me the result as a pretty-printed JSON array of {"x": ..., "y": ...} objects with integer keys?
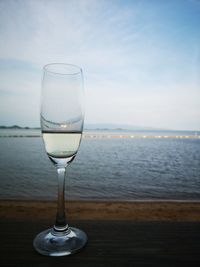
[{"x": 62, "y": 117}]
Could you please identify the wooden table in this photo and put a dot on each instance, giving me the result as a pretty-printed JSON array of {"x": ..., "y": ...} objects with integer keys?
[{"x": 111, "y": 243}]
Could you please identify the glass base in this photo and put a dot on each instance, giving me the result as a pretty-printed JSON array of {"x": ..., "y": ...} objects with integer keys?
[{"x": 60, "y": 243}]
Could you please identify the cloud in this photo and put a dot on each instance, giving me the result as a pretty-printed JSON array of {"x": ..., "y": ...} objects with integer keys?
[{"x": 136, "y": 56}]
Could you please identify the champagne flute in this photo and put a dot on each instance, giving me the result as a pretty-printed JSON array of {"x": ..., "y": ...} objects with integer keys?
[{"x": 62, "y": 117}]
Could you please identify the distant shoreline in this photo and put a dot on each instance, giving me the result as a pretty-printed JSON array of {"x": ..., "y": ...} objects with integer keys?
[
  {"x": 106, "y": 129},
  {"x": 112, "y": 136},
  {"x": 16, "y": 127},
  {"x": 118, "y": 133}
]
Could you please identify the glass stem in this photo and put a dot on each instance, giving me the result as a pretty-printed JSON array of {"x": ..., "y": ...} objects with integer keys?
[{"x": 60, "y": 224}]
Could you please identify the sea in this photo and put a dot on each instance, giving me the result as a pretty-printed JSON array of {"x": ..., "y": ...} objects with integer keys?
[{"x": 109, "y": 165}]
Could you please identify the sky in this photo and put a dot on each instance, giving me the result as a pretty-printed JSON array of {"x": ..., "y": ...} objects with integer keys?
[{"x": 140, "y": 59}]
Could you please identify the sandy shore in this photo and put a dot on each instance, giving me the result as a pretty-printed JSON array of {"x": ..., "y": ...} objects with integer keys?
[{"x": 103, "y": 210}]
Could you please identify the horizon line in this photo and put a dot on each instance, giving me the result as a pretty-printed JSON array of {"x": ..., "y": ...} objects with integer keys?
[{"x": 139, "y": 128}]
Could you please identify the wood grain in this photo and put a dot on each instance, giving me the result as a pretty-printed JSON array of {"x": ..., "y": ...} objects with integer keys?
[{"x": 111, "y": 243}]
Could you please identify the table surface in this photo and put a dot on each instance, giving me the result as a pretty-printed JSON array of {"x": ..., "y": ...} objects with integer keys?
[{"x": 110, "y": 243}]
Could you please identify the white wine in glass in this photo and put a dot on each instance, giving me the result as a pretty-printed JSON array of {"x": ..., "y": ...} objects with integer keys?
[{"x": 62, "y": 118}]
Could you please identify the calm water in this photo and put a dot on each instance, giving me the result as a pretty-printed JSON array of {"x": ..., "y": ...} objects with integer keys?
[{"x": 104, "y": 168}]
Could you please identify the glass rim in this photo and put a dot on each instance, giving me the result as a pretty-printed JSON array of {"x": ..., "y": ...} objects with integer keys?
[{"x": 75, "y": 69}]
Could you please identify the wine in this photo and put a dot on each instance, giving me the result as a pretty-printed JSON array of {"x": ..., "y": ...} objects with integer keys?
[{"x": 61, "y": 144}]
